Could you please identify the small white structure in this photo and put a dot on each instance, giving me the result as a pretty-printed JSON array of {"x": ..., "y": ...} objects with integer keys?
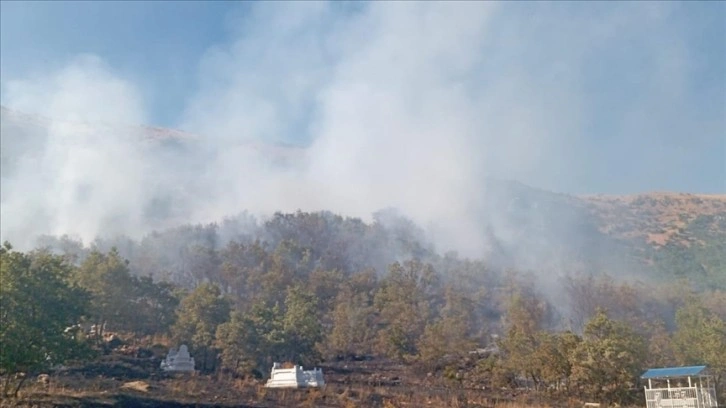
[
  {"x": 178, "y": 360},
  {"x": 294, "y": 377},
  {"x": 679, "y": 387}
]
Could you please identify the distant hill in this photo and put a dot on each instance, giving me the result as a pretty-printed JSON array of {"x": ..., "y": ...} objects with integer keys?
[
  {"x": 654, "y": 235},
  {"x": 661, "y": 219},
  {"x": 677, "y": 233},
  {"x": 661, "y": 235}
]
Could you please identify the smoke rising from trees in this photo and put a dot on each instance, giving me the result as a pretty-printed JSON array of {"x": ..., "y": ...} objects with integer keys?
[{"x": 405, "y": 105}]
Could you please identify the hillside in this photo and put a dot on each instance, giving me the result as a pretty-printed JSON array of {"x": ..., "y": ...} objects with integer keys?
[
  {"x": 677, "y": 233},
  {"x": 660, "y": 219},
  {"x": 653, "y": 235},
  {"x": 643, "y": 235},
  {"x": 377, "y": 303}
]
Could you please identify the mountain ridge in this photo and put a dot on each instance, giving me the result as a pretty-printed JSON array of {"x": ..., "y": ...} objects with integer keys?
[{"x": 662, "y": 231}]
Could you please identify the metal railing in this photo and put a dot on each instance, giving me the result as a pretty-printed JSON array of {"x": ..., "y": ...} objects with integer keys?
[{"x": 681, "y": 397}]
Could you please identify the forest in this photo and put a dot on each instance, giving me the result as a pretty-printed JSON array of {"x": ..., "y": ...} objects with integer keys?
[{"x": 311, "y": 288}]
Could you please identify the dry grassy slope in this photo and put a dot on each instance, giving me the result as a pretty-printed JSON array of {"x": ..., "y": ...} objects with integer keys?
[{"x": 658, "y": 218}]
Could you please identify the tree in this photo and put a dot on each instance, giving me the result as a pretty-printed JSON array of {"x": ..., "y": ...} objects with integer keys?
[
  {"x": 352, "y": 331},
  {"x": 108, "y": 279},
  {"x": 240, "y": 343},
  {"x": 243, "y": 266},
  {"x": 700, "y": 337},
  {"x": 523, "y": 323},
  {"x": 201, "y": 264},
  {"x": 553, "y": 357},
  {"x": 154, "y": 306},
  {"x": 289, "y": 264},
  {"x": 302, "y": 326},
  {"x": 451, "y": 334},
  {"x": 325, "y": 285},
  {"x": 606, "y": 364},
  {"x": 251, "y": 341},
  {"x": 124, "y": 301},
  {"x": 292, "y": 335},
  {"x": 661, "y": 350},
  {"x": 198, "y": 316},
  {"x": 37, "y": 305},
  {"x": 402, "y": 304}
]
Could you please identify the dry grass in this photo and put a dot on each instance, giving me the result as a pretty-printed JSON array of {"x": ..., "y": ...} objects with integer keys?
[
  {"x": 198, "y": 390},
  {"x": 657, "y": 218},
  {"x": 325, "y": 398},
  {"x": 140, "y": 386}
]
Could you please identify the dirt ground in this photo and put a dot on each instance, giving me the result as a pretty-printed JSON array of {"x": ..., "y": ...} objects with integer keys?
[{"x": 118, "y": 380}]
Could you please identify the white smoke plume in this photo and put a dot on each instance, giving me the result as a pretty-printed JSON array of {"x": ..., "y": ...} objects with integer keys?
[{"x": 406, "y": 105}]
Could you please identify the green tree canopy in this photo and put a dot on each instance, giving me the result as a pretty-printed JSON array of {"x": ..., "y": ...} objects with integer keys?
[
  {"x": 606, "y": 364},
  {"x": 37, "y": 306},
  {"x": 403, "y": 307},
  {"x": 107, "y": 278},
  {"x": 198, "y": 316},
  {"x": 124, "y": 301},
  {"x": 700, "y": 337},
  {"x": 301, "y": 324}
]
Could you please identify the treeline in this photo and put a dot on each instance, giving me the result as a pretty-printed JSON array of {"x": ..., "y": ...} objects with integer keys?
[{"x": 311, "y": 287}]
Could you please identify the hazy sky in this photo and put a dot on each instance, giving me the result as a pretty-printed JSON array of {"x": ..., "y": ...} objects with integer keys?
[{"x": 577, "y": 97}]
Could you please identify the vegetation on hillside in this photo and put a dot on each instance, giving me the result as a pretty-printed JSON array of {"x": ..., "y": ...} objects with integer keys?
[
  {"x": 313, "y": 287},
  {"x": 670, "y": 234}
]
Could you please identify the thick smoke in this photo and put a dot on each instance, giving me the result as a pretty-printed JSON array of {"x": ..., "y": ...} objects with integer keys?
[
  {"x": 82, "y": 174},
  {"x": 405, "y": 105}
]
